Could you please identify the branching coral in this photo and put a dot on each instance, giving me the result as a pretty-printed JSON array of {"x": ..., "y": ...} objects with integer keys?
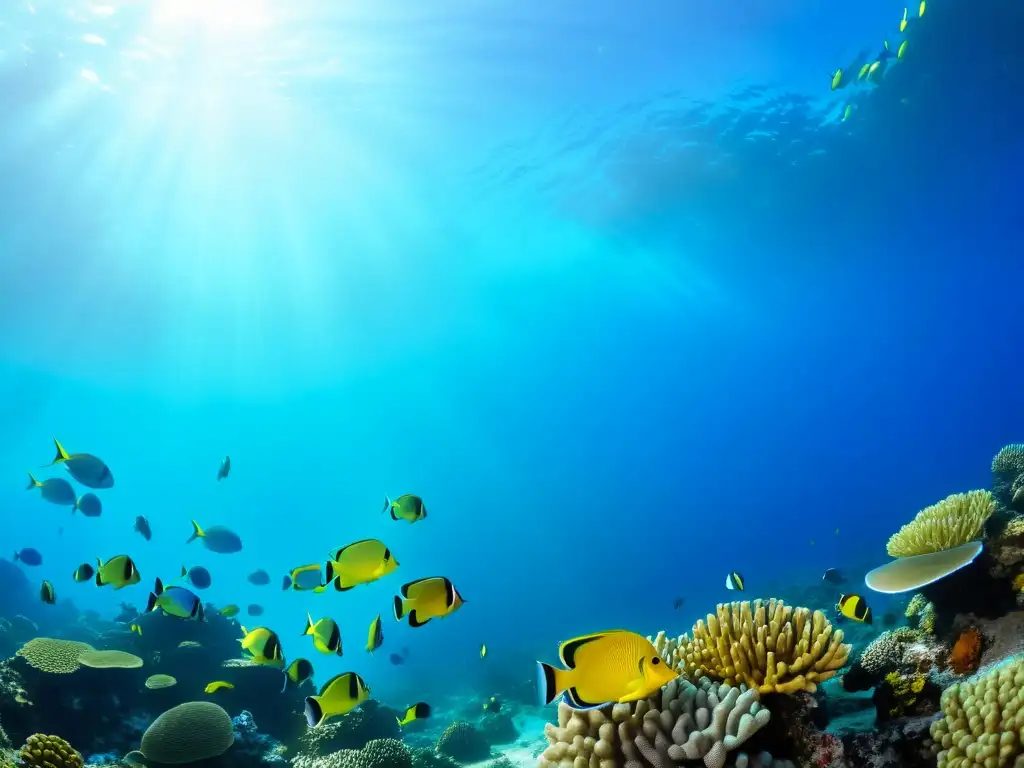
[
  {"x": 966, "y": 652},
  {"x": 956, "y": 520},
  {"x": 983, "y": 720},
  {"x": 770, "y": 647},
  {"x": 683, "y": 723}
]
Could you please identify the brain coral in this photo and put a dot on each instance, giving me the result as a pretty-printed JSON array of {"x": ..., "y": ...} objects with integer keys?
[
  {"x": 109, "y": 659},
  {"x": 55, "y": 656},
  {"x": 770, "y": 647},
  {"x": 956, "y": 520},
  {"x": 386, "y": 753},
  {"x": 189, "y": 732},
  {"x": 41, "y": 751},
  {"x": 983, "y": 720},
  {"x": 464, "y": 743}
]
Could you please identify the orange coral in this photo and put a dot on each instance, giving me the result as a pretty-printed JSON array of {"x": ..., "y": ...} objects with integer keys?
[{"x": 966, "y": 653}]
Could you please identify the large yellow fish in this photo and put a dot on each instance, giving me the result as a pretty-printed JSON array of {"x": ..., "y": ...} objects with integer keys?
[
  {"x": 426, "y": 599},
  {"x": 602, "y": 668},
  {"x": 375, "y": 638},
  {"x": 120, "y": 571},
  {"x": 263, "y": 645},
  {"x": 326, "y": 634},
  {"x": 359, "y": 563},
  {"x": 339, "y": 696}
]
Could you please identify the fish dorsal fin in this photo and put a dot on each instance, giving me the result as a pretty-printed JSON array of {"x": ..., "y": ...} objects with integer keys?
[{"x": 567, "y": 651}]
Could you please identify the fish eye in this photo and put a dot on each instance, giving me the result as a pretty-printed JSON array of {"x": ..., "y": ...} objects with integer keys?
[{"x": 655, "y": 661}]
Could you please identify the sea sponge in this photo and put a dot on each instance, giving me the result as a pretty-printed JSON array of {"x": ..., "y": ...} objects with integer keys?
[
  {"x": 59, "y": 657},
  {"x": 109, "y": 659},
  {"x": 965, "y": 655},
  {"x": 770, "y": 647},
  {"x": 982, "y": 720},
  {"x": 187, "y": 733},
  {"x": 681, "y": 724},
  {"x": 42, "y": 751},
  {"x": 463, "y": 742},
  {"x": 956, "y": 520}
]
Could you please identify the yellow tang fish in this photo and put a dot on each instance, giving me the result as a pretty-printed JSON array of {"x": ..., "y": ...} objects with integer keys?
[
  {"x": 426, "y": 599},
  {"x": 263, "y": 645},
  {"x": 406, "y": 507},
  {"x": 120, "y": 571},
  {"x": 606, "y": 667},
  {"x": 418, "y": 711},
  {"x": 218, "y": 685},
  {"x": 854, "y": 607},
  {"x": 326, "y": 634},
  {"x": 339, "y": 696},
  {"x": 376, "y": 636},
  {"x": 359, "y": 563}
]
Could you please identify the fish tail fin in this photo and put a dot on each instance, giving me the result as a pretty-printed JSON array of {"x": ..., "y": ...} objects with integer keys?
[
  {"x": 314, "y": 712},
  {"x": 32, "y": 482},
  {"x": 158, "y": 586},
  {"x": 309, "y": 625},
  {"x": 387, "y": 504},
  {"x": 62, "y": 455},
  {"x": 548, "y": 684},
  {"x": 399, "y": 608},
  {"x": 151, "y": 603},
  {"x": 197, "y": 532}
]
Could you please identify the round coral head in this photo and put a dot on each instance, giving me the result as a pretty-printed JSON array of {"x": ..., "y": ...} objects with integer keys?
[{"x": 908, "y": 573}]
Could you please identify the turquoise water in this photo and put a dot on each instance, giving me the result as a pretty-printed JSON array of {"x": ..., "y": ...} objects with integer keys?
[{"x": 615, "y": 290}]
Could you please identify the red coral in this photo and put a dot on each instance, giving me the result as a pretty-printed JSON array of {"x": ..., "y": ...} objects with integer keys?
[{"x": 966, "y": 653}]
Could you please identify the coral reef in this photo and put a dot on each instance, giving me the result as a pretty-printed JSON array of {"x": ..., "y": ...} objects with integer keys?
[
  {"x": 58, "y": 657},
  {"x": 1007, "y": 470},
  {"x": 251, "y": 746},
  {"x": 42, "y": 751},
  {"x": 683, "y": 723},
  {"x": 956, "y": 520},
  {"x": 464, "y": 743},
  {"x": 902, "y": 694},
  {"x": 770, "y": 647},
  {"x": 921, "y": 613},
  {"x": 983, "y": 719},
  {"x": 371, "y": 721},
  {"x": 378, "y": 753},
  {"x": 498, "y": 728},
  {"x": 426, "y": 757}
]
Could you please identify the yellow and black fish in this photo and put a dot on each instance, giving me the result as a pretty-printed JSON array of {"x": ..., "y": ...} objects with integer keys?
[
  {"x": 47, "y": 593},
  {"x": 83, "y": 573},
  {"x": 305, "y": 577},
  {"x": 358, "y": 563},
  {"x": 296, "y": 673},
  {"x": 119, "y": 571},
  {"x": 426, "y": 599},
  {"x": 408, "y": 506},
  {"x": 418, "y": 711},
  {"x": 339, "y": 696},
  {"x": 376, "y": 636},
  {"x": 854, "y": 607},
  {"x": 326, "y": 634},
  {"x": 734, "y": 581},
  {"x": 602, "y": 668},
  {"x": 263, "y": 645}
]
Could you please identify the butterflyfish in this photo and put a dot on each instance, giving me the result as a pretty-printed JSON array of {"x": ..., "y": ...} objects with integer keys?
[
  {"x": 734, "y": 581},
  {"x": 305, "y": 577},
  {"x": 326, "y": 634},
  {"x": 408, "y": 506},
  {"x": 426, "y": 599},
  {"x": 263, "y": 645},
  {"x": 854, "y": 607},
  {"x": 296, "y": 673},
  {"x": 358, "y": 563},
  {"x": 602, "y": 668},
  {"x": 119, "y": 571},
  {"x": 418, "y": 711},
  {"x": 375, "y": 638},
  {"x": 47, "y": 593},
  {"x": 339, "y": 696}
]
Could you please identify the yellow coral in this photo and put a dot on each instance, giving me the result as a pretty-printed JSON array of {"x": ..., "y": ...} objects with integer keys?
[
  {"x": 916, "y": 605},
  {"x": 1018, "y": 582},
  {"x": 54, "y": 656},
  {"x": 917, "y": 684},
  {"x": 956, "y": 520},
  {"x": 42, "y": 751},
  {"x": 770, "y": 647}
]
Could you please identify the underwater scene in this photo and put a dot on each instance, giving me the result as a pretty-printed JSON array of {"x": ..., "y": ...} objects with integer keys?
[{"x": 512, "y": 384}]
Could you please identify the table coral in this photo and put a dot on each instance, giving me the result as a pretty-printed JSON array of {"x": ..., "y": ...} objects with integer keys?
[
  {"x": 983, "y": 720},
  {"x": 55, "y": 656},
  {"x": 771, "y": 647},
  {"x": 952, "y": 522}
]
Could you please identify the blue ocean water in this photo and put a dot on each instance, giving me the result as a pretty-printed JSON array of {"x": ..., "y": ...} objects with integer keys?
[{"x": 614, "y": 289}]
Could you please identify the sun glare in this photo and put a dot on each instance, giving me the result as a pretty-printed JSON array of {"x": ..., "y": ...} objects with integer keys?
[{"x": 217, "y": 16}]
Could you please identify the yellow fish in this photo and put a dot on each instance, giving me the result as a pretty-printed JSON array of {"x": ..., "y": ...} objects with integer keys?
[
  {"x": 921, "y": 9},
  {"x": 263, "y": 645},
  {"x": 418, "y": 711},
  {"x": 376, "y": 636},
  {"x": 305, "y": 577},
  {"x": 853, "y": 607},
  {"x": 339, "y": 696},
  {"x": 903, "y": 22},
  {"x": 426, "y": 599},
  {"x": 218, "y": 685},
  {"x": 406, "y": 507},
  {"x": 606, "y": 667},
  {"x": 847, "y": 112},
  {"x": 229, "y": 610},
  {"x": 359, "y": 563},
  {"x": 483, "y": 651},
  {"x": 326, "y": 634},
  {"x": 838, "y": 81},
  {"x": 137, "y": 629},
  {"x": 901, "y": 51},
  {"x": 298, "y": 672},
  {"x": 120, "y": 571}
]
